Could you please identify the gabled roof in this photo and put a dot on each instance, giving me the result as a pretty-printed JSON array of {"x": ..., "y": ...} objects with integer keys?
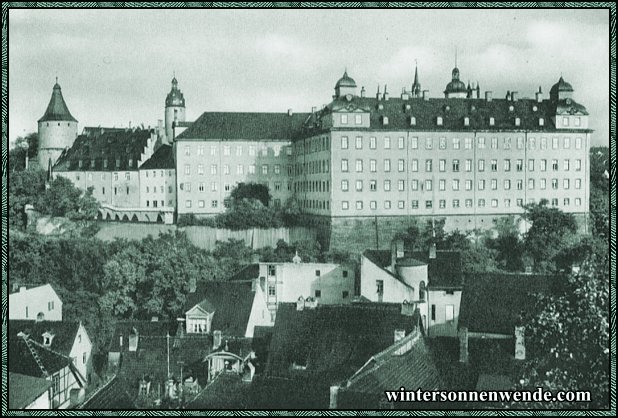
[
  {"x": 113, "y": 396},
  {"x": 332, "y": 341},
  {"x": 23, "y": 390},
  {"x": 252, "y": 271},
  {"x": 144, "y": 329},
  {"x": 444, "y": 271},
  {"x": 23, "y": 361},
  {"x": 406, "y": 363},
  {"x": 114, "y": 145},
  {"x": 382, "y": 259},
  {"x": 57, "y": 109},
  {"x": 245, "y": 126},
  {"x": 163, "y": 158},
  {"x": 495, "y": 302},
  {"x": 231, "y": 303},
  {"x": 64, "y": 332}
]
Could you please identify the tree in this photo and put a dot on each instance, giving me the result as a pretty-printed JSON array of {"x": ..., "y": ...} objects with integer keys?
[
  {"x": 508, "y": 245},
  {"x": 24, "y": 145},
  {"x": 251, "y": 191},
  {"x": 62, "y": 198},
  {"x": 25, "y": 187},
  {"x": 552, "y": 230},
  {"x": 567, "y": 337}
]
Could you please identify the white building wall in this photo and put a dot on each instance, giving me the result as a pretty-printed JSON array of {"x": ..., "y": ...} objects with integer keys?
[
  {"x": 81, "y": 353},
  {"x": 28, "y": 303},
  {"x": 439, "y": 326},
  {"x": 394, "y": 291},
  {"x": 42, "y": 402}
]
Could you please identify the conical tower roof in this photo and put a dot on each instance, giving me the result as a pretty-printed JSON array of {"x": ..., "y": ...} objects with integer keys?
[{"x": 57, "y": 109}]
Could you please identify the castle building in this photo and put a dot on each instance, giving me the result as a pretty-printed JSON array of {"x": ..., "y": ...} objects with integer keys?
[
  {"x": 361, "y": 166},
  {"x": 57, "y": 129}
]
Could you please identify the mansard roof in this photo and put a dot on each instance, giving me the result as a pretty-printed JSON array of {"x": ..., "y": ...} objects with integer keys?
[
  {"x": 113, "y": 145},
  {"x": 245, "y": 126}
]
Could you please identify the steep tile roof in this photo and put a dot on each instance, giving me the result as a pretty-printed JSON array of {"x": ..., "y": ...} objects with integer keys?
[
  {"x": 406, "y": 363},
  {"x": 143, "y": 328},
  {"x": 113, "y": 145},
  {"x": 163, "y": 158},
  {"x": 444, "y": 271},
  {"x": 332, "y": 341},
  {"x": 23, "y": 390},
  {"x": 112, "y": 396},
  {"x": 22, "y": 360},
  {"x": 494, "y": 302},
  {"x": 252, "y": 271},
  {"x": 57, "y": 109},
  {"x": 231, "y": 302},
  {"x": 64, "y": 332},
  {"x": 382, "y": 259},
  {"x": 246, "y": 126}
]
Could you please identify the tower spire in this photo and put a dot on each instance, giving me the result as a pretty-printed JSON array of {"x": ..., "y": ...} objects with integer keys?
[{"x": 416, "y": 86}]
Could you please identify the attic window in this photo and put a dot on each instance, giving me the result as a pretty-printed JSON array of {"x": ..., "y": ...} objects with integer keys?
[
  {"x": 517, "y": 121},
  {"x": 466, "y": 121},
  {"x": 412, "y": 121},
  {"x": 80, "y": 163},
  {"x": 47, "y": 338},
  {"x": 511, "y": 108},
  {"x": 117, "y": 162},
  {"x": 439, "y": 120},
  {"x": 105, "y": 163},
  {"x": 541, "y": 122},
  {"x": 408, "y": 107},
  {"x": 380, "y": 106},
  {"x": 91, "y": 163},
  {"x": 492, "y": 121},
  {"x": 384, "y": 120},
  {"x": 130, "y": 163}
]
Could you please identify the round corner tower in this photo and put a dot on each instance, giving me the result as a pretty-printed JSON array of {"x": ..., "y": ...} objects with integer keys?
[
  {"x": 174, "y": 110},
  {"x": 57, "y": 129}
]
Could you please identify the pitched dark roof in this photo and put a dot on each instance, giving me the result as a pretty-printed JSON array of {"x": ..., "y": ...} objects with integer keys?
[
  {"x": 250, "y": 272},
  {"x": 231, "y": 302},
  {"x": 444, "y": 271},
  {"x": 122, "y": 145},
  {"x": 22, "y": 360},
  {"x": 163, "y": 158},
  {"x": 407, "y": 363},
  {"x": 99, "y": 130},
  {"x": 382, "y": 259},
  {"x": 57, "y": 109},
  {"x": 246, "y": 126},
  {"x": 144, "y": 329},
  {"x": 494, "y": 302},
  {"x": 452, "y": 111},
  {"x": 333, "y": 341},
  {"x": 64, "y": 332},
  {"x": 23, "y": 390},
  {"x": 114, "y": 395}
]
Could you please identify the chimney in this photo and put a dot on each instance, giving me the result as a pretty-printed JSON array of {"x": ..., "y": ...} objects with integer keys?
[
  {"x": 463, "y": 344},
  {"x": 363, "y": 91},
  {"x": 385, "y": 93},
  {"x": 300, "y": 303},
  {"x": 514, "y": 96},
  {"x": 216, "y": 339},
  {"x": 290, "y": 113},
  {"x": 378, "y": 95},
  {"x": 22, "y": 289},
  {"x": 425, "y": 94},
  {"x": 432, "y": 251},
  {"x": 313, "y": 109},
  {"x": 400, "y": 334},
  {"x": 405, "y": 96},
  {"x": 488, "y": 96},
  {"x": 520, "y": 346},
  {"x": 508, "y": 95},
  {"x": 539, "y": 95},
  {"x": 334, "y": 391},
  {"x": 407, "y": 308}
]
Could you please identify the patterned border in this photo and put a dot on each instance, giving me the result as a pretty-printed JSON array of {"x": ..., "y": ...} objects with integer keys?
[{"x": 5, "y": 8}]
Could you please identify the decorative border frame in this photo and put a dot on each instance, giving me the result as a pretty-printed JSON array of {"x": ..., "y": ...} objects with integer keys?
[{"x": 5, "y": 60}]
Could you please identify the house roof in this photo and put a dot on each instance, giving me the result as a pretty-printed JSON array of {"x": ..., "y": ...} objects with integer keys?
[
  {"x": 452, "y": 111},
  {"x": 444, "y": 271},
  {"x": 230, "y": 301},
  {"x": 245, "y": 126},
  {"x": 395, "y": 367},
  {"x": 333, "y": 341},
  {"x": 114, "y": 395},
  {"x": 494, "y": 302},
  {"x": 23, "y": 390},
  {"x": 382, "y": 259},
  {"x": 144, "y": 329},
  {"x": 112, "y": 146},
  {"x": 64, "y": 332},
  {"x": 252, "y": 271},
  {"x": 22, "y": 360},
  {"x": 57, "y": 109},
  {"x": 163, "y": 158}
]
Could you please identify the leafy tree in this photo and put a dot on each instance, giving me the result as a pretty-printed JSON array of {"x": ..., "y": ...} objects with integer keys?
[
  {"x": 475, "y": 256},
  {"x": 24, "y": 145},
  {"x": 25, "y": 187},
  {"x": 508, "y": 245},
  {"x": 567, "y": 337},
  {"x": 551, "y": 231},
  {"x": 251, "y": 191},
  {"x": 62, "y": 198}
]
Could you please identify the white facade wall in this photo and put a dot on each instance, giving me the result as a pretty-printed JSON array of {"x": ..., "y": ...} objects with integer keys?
[
  {"x": 28, "y": 303},
  {"x": 81, "y": 353},
  {"x": 394, "y": 291},
  {"x": 438, "y": 300}
]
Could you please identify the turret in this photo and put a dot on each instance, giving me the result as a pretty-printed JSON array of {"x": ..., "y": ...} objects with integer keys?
[
  {"x": 346, "y": 85},
  {"x": 174, "y": 110},
  {"x": 57, "y": 129}
]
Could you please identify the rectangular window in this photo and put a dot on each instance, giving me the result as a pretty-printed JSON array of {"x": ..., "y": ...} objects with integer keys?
[
  {"x": 507, "y": 143},
  {"x": 578, "y": 165},
  {"x": 200, "y": 169},
  {"x": 542, "y": 184},
  {"x": 428, "y": 204},
  {"x": 481, "y": 165},
  {"x": 387, "y": 142},
  {"x": 344, "y": 185},
  {"x": 277, "y": 169},
  {"x": 344, "y": 165},
  {"x": 359, "y": 166},
  {"x": 414, "y": 144},
  {"x": 187, "y": 203},
  {"x": 530, "y": 165},
  {"x": 401, "y": 165},
  {"x": 373, "y": 166},
  {"x": 387, "y": 185},
  {"x": 200, "y": 150},
  {"x": 200, "y": 187},
  {"x": 554, "y": 143},
  {"x": 530, "y": 184},
  {"x": 401, "y": 204},
  {"x": 494, "y": 184},
  {"x": 566, "y": 165},
  {"x": 507, "y": 165},
  {"x": 442, "y": 185},
  {"x": 578, "y": 143},
  {"x": 507, "y": 184},
  {"x": 387, "y": 204},
  {"x": 481, "y": 184},
  {"x": 345, "y": 205},
  {"x": 252, "y": 169},
  {"x": 428, "y": 143},
  {"x": 428, "y": 165},
  {"x": 554, "y": 184},
  {"x": 468, "y": 165},
  {"x": 359, "y": 205},
  {"x": 252, "y": 150},
  {"x": 359, "y": 185},
  {"x": 520, "y": 141},
  {"x": 213, "y": 150},
  {"x": 372, "y": 142},
  {"x": 554, "y": 165},
  {"x": 455, "y": 203},
  {"x": 468, "y": 143},
  {"x": 226, "y": 150},
  {"x": 226, "y": 169},
  {"x": 519, "y": 165},
  {"x": 442, "y": 204},
  {"x": 400, "y": 142},
  {"x": 359, "y": 142},
  {"x": 565, "y": 184},
  {"x": 494, "y": 143},
  {"x": 442, "y": 165},
  {"x": 415, "y": 165},
  {"x": 414, "y": 204},
  {"x": 578, "y": 183},
  {"x": 468, "y": 184},
  {"x": 507, "y": 203},
  {"x": 456, "y": 143},
  {"x": 442, "y": 143},
  {"x": 187, "y": 150},
  {"x": 240, "y": 169},
  {"x": 481, "y": 203},
  {"x": 387, "y": 165},
  {"x": 455, "y": 184},
  {"x": 187, "y": 169},
  {"x": 455, "y": 166},
  {"x": 481, "y": 143},
  {"x": 414, "y": 184},
  {"x": 344, "y": 119},
  {"x": 428, "y": 185},
  {"x": 468, "y": 203},
  {"x": 401, "y": 185},
  {"x": 520, "y": 184},
  {"x": 380, "y": 286},
  {"x": 373, "y": 185},
  {"x": 373, "y": 205},
  {"x": 200, "y": 203}
]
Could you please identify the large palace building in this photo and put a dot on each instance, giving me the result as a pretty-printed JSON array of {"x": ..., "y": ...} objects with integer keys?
[{"x": 362, "y": 166}]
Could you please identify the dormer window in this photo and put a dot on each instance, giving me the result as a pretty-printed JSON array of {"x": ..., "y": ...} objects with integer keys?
[
  {"x": 541, "y": 122},
  {"x": 407, "y": 107},
  {"x": 439, "y": 120},
  {"x": 492, "y": 121},
  {"x": 48, "y": 337},
  {"x": 534, "y": 108},
  {"x": 517, "y": 121},
  {"x": 105, "y": 163},
  {"x": 130, "y": 163},
  {"x": 412, "y": 121},
  {"x": 384, "y": 120},
  {"x": 80, "y": 163},
  {"x": 92, "y": 163},
  {"x": 117, "y": 162},
  {"x": 380, "y": 106},
  {"x": 466, "y": 121},
  {"x": 511, "y": 108}
]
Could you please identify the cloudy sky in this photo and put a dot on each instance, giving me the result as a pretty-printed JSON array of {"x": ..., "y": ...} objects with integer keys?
[{"x": 115, "y": 66}]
